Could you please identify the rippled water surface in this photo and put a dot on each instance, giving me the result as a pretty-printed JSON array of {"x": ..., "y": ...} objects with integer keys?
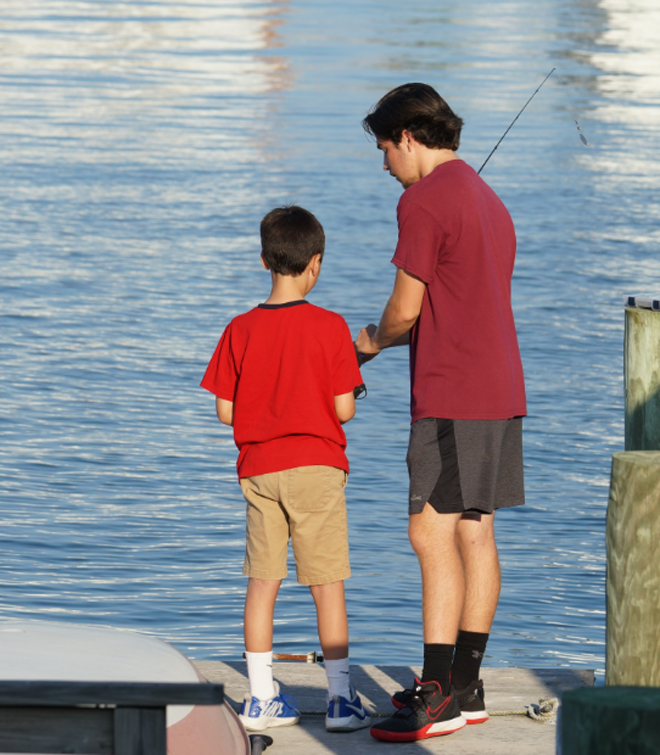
[{"x": 140, "y": 145}]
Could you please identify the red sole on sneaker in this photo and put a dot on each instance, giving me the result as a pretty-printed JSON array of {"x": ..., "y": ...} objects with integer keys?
[
  {"x": 479, "y": 717},
  {"x": 448, "y": 727}
]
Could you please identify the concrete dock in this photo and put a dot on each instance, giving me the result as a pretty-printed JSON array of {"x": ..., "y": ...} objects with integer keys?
[{"x": 509, "y": 692}]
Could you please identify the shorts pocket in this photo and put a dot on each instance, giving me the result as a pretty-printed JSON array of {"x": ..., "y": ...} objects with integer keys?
[{"x": 314, "y": 488}]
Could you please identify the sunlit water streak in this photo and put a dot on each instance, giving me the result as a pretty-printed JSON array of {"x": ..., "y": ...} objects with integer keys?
[{"x": 141, "y": 143}]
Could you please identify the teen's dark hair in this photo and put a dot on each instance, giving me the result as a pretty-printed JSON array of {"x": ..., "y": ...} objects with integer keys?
[
  {"x": 290, "y": 237},
  {"x": 419, "y": 109}
]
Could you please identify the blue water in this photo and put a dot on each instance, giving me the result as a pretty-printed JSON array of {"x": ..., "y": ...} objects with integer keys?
[{"x": 140, "y": 145}]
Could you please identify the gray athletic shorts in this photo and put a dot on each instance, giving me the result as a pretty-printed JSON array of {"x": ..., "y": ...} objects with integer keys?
[{"x": 460, "y": 465}]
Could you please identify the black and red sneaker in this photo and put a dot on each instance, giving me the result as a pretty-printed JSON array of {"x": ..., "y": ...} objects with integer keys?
[
  {"x": 427, "y": 713},
  {"x": 470, "y": 701}
]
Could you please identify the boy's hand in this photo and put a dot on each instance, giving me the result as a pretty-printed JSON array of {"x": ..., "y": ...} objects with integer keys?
[{"x": 364, "y": 347}]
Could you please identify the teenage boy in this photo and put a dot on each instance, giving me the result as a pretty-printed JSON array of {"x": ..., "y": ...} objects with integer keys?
[
  {"x": 283, "y": 375},
  {"x": 452, "y": 303}
]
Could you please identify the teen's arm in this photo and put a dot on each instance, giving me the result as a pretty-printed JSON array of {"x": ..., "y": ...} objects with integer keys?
[
  {"x": 400, "y": 314},
  {"x": 225, "y": 410},
  {"x": 345, "y": 407}
]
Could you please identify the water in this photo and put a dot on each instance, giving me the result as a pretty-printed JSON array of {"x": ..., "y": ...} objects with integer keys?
[{"x": 141, "y": 143}]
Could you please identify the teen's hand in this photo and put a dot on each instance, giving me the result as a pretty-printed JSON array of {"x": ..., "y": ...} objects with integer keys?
[{"x": 366, "y": 351}]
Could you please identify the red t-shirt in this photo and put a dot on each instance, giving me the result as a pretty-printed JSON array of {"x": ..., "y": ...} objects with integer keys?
[
  {"x": 457, "y": 236},
  {"x": 282, "y": 366}
]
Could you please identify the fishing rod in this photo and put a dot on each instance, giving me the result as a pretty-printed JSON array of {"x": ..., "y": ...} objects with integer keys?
[{"x": 515, "y": 119}]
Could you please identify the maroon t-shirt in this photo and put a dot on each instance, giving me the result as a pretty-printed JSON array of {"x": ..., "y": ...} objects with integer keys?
[
  {"x": 457, "y": 236},
  {"x": 282, "y": 366}
]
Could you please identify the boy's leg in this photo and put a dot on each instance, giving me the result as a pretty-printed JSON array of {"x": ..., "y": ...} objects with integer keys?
[
  {"x": 258, "y": 616},
  {"x": 331, "y": 619},
  {"x": 265, "y": 706},
  {"x": 345, "y": 711},
  {"x": 267, "y": 535},
  {"x": 258, "y": 633},
  {"x": 333, "y": 633},
  {"x": 316, "y": 506}
]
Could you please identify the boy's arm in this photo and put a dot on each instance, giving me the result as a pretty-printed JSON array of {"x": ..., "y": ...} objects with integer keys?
[
  {"x": 225, "y": 410},
  {"x": 345, "y": 407}
]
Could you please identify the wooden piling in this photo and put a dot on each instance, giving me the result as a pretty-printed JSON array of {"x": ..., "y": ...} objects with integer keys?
[
  {"x": 633, "y": 570},
  {"x": 642, "y": 379},
  {"x": 610, "y": 721}
]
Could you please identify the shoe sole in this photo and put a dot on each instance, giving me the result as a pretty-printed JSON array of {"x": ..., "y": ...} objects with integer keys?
[
  {"x": 472, "y": 717},
  {"x": 475, "y": 716},
  {"x": 350, "y": 723},
  {"x": 428, "y": 731},
  {"x": 265, "y": 722}
]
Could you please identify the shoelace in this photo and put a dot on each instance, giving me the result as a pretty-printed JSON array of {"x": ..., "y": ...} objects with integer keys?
[{"x": 290, "y": 701}]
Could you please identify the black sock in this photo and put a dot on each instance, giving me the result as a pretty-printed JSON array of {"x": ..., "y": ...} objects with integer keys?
[
  {"x": 437, "y": 665},
  {"x": 470, "y": 648}
]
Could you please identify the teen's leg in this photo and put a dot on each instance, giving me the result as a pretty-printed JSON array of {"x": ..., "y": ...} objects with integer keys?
[
  {"x": 476, "y": 541},
  {"x": 433, "y": 538},
  {"x": 430, "y": 708},
  {"x": 258, "y": 633}
]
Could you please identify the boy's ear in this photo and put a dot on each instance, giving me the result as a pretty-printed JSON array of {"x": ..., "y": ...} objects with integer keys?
[
  {"x": 264, "y": 263},
  {"x": 315, "y": 265}
]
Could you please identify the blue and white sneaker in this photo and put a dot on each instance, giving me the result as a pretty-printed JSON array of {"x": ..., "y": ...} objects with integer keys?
[
  {"x": 280, "y": 710},
  {"x": 346, "y": 715}
]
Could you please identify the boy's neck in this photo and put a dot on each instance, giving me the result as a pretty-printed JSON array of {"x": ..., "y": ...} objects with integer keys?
[{"x": 286, "y": 288}]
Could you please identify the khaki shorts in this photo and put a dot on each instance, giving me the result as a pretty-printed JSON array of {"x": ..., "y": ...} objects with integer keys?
[{"x": 306, "y": 504}]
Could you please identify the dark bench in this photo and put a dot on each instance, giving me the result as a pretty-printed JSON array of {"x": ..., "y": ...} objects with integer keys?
[{"x": 95, "y": 718}]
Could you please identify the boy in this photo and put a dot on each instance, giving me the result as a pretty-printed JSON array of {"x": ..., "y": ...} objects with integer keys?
[{"x": 283, "y": 375}]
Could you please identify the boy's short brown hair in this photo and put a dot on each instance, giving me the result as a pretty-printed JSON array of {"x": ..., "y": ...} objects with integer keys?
[{"x": 290, "y": 237}]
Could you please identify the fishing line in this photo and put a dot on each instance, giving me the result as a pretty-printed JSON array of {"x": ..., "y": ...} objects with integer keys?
[
  {"x": 515, "y": 119},
  {"x": 583, "y": 138}
]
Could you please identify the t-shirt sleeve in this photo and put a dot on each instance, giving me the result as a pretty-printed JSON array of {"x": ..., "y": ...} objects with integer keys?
[
  {"x": 420, "y": 241},
  {"x": 221, "y": 374},
  {"x": 346, "y": 375}
]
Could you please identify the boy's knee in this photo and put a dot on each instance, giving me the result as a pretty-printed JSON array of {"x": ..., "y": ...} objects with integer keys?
[
  {"x": 327, "y": 588},
  {"x": 264, "y": 586}
]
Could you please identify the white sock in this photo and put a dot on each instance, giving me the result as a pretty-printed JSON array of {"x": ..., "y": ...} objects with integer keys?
[
  {"x": 339, "y": 680},
  {"x": 260, "y": 674}
]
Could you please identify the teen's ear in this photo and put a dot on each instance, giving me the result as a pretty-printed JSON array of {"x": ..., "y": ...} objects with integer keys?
[
  {"x": 407, "y": 140},
  {"x": 264, "y": 263}
]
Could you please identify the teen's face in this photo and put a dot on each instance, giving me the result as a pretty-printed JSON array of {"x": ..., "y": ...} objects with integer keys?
[{"x": 399, "y": 161}]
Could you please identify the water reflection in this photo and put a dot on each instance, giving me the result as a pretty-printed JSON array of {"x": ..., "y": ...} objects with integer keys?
[{"x": 141, "y": 144}]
